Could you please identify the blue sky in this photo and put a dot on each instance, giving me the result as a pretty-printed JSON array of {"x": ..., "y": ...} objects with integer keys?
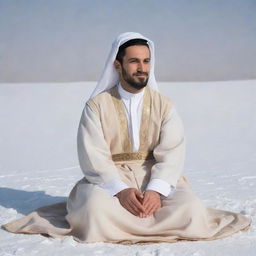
[{"x": 196, "y": 40}]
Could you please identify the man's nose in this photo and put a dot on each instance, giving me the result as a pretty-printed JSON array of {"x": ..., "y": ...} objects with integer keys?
[{"x": 140, "y": 66}]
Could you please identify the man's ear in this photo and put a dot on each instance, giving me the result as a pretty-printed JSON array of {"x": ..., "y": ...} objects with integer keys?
[{"x": 117, "y": 65}]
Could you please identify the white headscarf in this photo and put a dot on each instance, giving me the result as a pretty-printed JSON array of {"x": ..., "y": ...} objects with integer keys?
[{"x": 110, "y": 76}]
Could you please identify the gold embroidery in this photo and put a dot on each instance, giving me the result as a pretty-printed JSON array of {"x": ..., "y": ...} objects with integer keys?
[
  {"x": 124, "y": 131},
  {"x": 145, "y": 121},
  {"x": 133, "y": 156}
]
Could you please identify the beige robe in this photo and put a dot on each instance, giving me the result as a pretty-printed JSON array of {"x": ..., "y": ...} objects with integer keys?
[{"x": 104, "y": 149}]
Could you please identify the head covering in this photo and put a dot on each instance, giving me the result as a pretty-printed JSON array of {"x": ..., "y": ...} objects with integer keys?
[{"x": 110, "y": 76}]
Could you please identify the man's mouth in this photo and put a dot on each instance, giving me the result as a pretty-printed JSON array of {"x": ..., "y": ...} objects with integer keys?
[{"x": 141, "y": 74}]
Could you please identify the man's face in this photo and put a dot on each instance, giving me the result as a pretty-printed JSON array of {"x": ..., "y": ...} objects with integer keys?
[{"x": 136, "y": 66}]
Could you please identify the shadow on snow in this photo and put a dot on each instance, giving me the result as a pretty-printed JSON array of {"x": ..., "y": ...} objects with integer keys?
[{"x": 26, "y": 201}]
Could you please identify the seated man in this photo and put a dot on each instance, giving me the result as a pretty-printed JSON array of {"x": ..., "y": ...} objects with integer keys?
[{"x": 131, "y": 148}]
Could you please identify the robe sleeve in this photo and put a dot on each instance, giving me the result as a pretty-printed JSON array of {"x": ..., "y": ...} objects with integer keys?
[
  {"x": 94, "y": 154},
  {"x": 170, "y": 152}
]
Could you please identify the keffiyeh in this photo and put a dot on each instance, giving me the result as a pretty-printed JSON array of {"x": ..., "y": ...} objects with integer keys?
[{"x": 110, "y": 76}]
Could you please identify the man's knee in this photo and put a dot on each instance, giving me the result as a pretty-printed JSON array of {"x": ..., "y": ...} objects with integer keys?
[
  {"x": 181, "y": 199},
  {"x": 193, "y": 203}
]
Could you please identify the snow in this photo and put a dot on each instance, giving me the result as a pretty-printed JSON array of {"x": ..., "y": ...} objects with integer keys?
[{"x": 39, "y": 166}]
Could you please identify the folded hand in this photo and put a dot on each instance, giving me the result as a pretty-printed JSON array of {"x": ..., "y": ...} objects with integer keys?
[
  {"x": 131, "y": 200},
  {"x": 151, "y": 202}
]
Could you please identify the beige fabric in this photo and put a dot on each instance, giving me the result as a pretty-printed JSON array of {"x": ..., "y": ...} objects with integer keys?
[{"x": 92, "y": 215}]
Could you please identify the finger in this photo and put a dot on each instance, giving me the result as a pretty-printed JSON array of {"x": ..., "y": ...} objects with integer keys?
[
  {"x": 127, "y": 206},
  {"x": 131, "y": 209},
  {"x": 137, "y": 203},
  {"x": 153, "y": 204},
  {"x": 149, "y": 204},
  {"x": 138, "y": 194},
  {"x": 146, "y": 201},
  {"x": 154, "y": 209},
  {"x": 134, "y": 205},
  {"x": 144, "y": 215},
  {"x": 151, "y": 210},
  {"x": 148, "y": 207}
]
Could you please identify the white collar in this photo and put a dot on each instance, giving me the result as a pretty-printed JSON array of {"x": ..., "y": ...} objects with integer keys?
[{"x": 128, "y": 95}]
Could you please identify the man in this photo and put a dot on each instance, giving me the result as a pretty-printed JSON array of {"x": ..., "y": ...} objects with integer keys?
[
  {"x": 131, "y": 148},
  {"x": 133, "y": 65}
]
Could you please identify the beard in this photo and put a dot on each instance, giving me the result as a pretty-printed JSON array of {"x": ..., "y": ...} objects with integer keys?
[{"x": 131, "y": 80}]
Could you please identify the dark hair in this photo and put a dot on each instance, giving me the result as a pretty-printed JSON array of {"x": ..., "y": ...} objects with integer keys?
[{"x": 121, "y": 50}]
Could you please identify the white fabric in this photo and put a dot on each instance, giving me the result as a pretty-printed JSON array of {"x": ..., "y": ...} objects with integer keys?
[{"x": 110, "y": 76}]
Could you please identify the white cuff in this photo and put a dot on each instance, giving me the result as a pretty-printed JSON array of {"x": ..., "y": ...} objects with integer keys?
[
  {"x": 114, "y": 186},
  {"x": 173, "y": 190},
  {"x": 160, "y": 186}
]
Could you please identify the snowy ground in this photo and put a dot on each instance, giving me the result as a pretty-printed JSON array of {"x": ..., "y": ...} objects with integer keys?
[{"x": 39, "y": 166}]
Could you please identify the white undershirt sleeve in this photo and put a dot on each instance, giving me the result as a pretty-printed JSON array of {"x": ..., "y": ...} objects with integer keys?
[{"x": 161, "y": 187}]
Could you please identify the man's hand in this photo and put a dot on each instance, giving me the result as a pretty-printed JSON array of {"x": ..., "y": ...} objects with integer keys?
[
  {"x": 151, "y": 202},
  {"x": 130, "y": 199}
]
